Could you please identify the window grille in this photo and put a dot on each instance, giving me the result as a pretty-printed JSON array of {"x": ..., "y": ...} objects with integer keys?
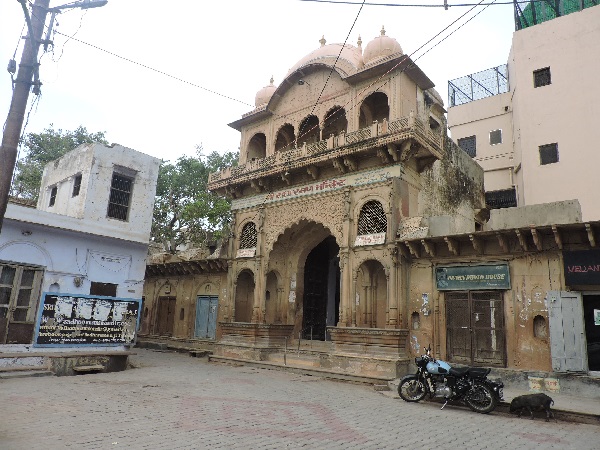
[
  {"x": 53, "y": 196},
  {"x": 548, "y": 154},
  {"x": 120, "y": 194},
  {"x": 469, "y": 145},
  {"x": 506, "y": 198},
  {"x": 495, "y": 137},
  {"x": 541, "y": 77},
  {"x": 76, "y": 185},
  {"x": 248, "y": 238},
  {"x": 372, "y": 219}
]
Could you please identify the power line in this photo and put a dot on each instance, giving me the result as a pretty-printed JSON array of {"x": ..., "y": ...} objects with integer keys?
[
  {"x": 156, "y": 70},
  {"x": 416, "y": 5}
]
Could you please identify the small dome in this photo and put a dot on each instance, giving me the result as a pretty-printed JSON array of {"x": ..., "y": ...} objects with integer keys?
[
  {"x": 264, "y": 95},
  {"x": 381, "y": 47},
  {"x": 348, "y": 57}
]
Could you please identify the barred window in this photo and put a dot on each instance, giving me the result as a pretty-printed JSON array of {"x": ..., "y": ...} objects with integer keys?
[
  {"x": 120, "y": 195},
  {"x": 372, "y": 218},
  {"x": 469, "y": 145},
  {"x": 541, "y": 77},
  {"x": 548, "y": 154},
  {"x": 495, "y": 137},
  {"x": 53, "y": 193},
  {"x": 248, "y": 238},
  {"x": 506, "y": 198}
]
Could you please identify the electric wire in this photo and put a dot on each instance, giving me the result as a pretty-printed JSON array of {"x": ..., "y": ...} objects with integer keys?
[
  {"x": 421, "y": 5},
  {"x": 335, "y": 63},
  {"x": 405, "y": 57}
]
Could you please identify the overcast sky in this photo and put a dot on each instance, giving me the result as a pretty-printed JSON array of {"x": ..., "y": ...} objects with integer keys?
[{"x": 224, "y": 51}]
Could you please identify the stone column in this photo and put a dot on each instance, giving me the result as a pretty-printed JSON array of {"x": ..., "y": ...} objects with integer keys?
[{"x": 392, "y": 289}]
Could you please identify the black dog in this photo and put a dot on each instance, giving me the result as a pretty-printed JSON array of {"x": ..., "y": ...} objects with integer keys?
[{"x": 532, "y": 402}]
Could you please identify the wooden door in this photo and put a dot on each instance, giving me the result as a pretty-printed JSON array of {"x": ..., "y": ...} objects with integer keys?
[
  {"x": 19, "y": 297},
  {"x": 475, "y": 328},
  {"x": 566, "y": 331},
  {"x": 166, "y": 316},
  {"x": 206, "y": 316}
]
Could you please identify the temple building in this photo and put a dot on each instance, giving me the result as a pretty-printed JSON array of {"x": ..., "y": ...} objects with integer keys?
[{"x": 361, "y": 234}]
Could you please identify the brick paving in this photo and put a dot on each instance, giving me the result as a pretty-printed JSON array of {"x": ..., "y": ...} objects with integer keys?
[{"x": 173, "y": 401}]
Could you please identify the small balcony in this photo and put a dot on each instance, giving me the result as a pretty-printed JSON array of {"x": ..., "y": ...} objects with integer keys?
[{"x": 395, "y": 141}]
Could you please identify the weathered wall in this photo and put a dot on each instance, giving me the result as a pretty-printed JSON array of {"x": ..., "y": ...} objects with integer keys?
[
  {"x": 186, "y": 289},
  {"x": 525, "y": 309}
]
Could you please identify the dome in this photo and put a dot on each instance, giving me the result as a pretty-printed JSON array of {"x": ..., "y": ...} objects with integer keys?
[
  {"x": 381, "y": 47},
  {"x": 264, "y": 95},
  {"x": 350, "y": 57}
]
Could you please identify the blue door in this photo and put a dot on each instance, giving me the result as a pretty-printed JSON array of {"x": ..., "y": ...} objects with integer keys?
[{"x": 206, "y": 316}]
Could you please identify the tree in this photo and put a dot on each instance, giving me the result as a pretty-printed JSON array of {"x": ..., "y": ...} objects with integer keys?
[
  {"x": 42, "y": 148},
  {"x": 185, "y": 212}
]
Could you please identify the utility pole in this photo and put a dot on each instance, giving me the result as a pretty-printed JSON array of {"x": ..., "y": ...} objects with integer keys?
[{"x": 18, "y": 104}]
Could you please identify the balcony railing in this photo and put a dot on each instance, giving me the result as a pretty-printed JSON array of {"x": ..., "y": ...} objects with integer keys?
[{"x": 341, "y": 145}]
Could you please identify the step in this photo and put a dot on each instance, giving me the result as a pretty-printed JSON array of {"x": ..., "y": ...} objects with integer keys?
[
  {"x": 324, "y": 373},
  {"x": 89, "y": 369}
]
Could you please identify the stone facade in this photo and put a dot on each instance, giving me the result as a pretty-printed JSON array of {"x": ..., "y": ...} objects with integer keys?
[{"x": 324, "y": 182}]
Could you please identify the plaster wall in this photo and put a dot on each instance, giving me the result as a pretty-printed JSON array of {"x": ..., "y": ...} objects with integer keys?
[
  {"x": 72, "y": 259},
  {"x": 525, "y": 304},
  {"x": 96, "y": 163},
  {"x": 562, "y": 112}
]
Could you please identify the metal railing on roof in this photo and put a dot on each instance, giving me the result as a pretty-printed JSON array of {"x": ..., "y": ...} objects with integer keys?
[{"x": 478, "y": 85}]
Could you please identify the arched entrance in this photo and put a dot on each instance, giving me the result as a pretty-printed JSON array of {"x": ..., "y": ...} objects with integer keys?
[
  {"x": 371, "y": 286},
  {"x": 321, "y": 302},
  {"x": 244, "y": 297}
]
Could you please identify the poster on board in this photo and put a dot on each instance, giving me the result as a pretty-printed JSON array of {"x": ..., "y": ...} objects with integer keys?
[{"x": 71, "y": 319}]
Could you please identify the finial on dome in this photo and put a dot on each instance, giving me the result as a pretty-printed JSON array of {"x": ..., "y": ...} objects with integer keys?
[
  {"x": 323, "y": 41},
  {"x": 359, "y": 42},
  {"x": 272, "y": 80},
  {"x": 382, "y": 30}
]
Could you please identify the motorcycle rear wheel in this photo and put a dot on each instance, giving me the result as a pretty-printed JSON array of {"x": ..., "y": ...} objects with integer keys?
[
  {"x": 481, "y": 399},
  {"x": 412, "y": 390}
]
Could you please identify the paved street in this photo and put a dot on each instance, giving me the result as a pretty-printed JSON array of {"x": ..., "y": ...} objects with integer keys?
[{"x": 173, "y": 401}]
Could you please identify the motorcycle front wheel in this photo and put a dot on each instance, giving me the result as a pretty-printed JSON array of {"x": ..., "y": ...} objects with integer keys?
[
  {"x": 412, "y": 390},
  {"x": 481, "y": 399}
]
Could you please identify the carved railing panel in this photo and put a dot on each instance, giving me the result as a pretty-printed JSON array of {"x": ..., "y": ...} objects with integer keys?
[{"x": 360, "y": 135}]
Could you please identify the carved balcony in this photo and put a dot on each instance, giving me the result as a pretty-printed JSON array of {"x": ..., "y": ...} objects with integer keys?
[{"x": 396, "y": 141}]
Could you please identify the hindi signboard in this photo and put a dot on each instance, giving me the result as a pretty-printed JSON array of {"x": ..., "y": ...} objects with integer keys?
[
  {"x": 74, "y": 319},
  {"x": 467, "y": 278}
]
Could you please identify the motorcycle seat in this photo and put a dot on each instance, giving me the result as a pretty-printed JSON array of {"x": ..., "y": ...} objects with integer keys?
[
  {"x": 459, "y": 371},
  {"x": 475, "y": 372}
]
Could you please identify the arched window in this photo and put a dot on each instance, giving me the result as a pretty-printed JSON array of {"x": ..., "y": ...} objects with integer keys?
[
  {"x": 335, "y": 122},
  {"x": 285, "y": 138},
  {"x": 309, "y": 131},
  {"x": 248, "y": 237},
  {"x": 374, "y": 108},
  {"x": 257, "y": 147},
  {"x": 372, "y": 218}
]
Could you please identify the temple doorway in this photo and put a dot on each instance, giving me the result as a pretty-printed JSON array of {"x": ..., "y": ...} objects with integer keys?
[{"x": 321, "y": 303}]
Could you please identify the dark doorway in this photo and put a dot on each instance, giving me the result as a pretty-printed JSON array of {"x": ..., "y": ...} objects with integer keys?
[
  {"x": 166, "y": 316},
  {"x": 321, "y": 303},
  {"x": 475, "y": 328},
  {"x": 591, "y": 315}
]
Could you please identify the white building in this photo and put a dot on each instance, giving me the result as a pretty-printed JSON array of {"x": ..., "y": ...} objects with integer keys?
[
  {"x": 530, "y": 124},
  {"x": 88, "y": 235}
]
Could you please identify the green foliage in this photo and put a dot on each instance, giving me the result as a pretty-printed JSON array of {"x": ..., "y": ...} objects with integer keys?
[
  {"x": 184, "y": 211},
  {"x": 42, "y": 148}
]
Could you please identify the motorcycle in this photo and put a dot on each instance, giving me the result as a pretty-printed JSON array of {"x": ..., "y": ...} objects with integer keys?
[{"x": 437, "y": 378}]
